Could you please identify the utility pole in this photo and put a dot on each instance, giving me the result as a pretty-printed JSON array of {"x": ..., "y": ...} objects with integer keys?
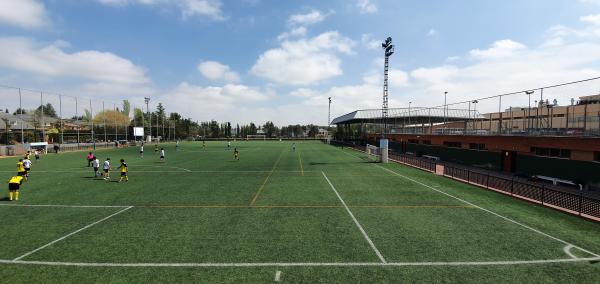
[
  {"x": 147, "y": 100},
  {"x": 329, "y": 114}
]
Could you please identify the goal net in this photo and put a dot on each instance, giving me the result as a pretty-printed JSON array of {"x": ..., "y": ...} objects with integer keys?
[
  {"x": 256, "y": 137},
  {"x": 373, "y": 152}
]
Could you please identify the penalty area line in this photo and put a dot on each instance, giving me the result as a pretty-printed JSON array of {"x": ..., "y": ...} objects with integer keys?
[
  {"x": 364, "y": 233},
  {"x": 70, "y": 234}
]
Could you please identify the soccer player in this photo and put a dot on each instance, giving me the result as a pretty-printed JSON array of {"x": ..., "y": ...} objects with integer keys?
[
  {"x": 177, "y": 145},
  {"x": 162, "y": 154},
  {"x": 142, "y": 151},
  {"x": 106, "y": 168},
  {"x": 28, "y": 155},
  {"x": 90, "y": 158},
  {"x": 123, "y": 168},
  {"x": 203, "y": 145},
  {"x": 236, "y": 154},
  {"x": 37, "y": 154},
  {"x": 96, "y": 165},
  {"x": 27, "y": 165},
  {"x": 155, "y": 148},
  {"x": 294, "y": 147},
  {"x": 228, "y": 144},
  {"x": 13, "y": 187},
  {"x": 21, "y": 168}
]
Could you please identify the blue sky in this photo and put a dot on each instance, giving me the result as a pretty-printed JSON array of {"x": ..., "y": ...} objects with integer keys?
[{"x": 258, "y": 60}]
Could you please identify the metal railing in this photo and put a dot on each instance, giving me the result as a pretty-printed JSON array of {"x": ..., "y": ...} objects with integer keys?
[{"x": 575, "y": 203}]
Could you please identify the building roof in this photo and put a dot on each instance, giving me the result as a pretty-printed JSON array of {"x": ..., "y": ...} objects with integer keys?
[
  {"x": 417, "y": 114},
  {"x": 14, "y": 122}
]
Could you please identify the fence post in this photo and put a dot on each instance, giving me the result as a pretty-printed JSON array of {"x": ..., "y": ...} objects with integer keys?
[
  {"x": 488, "y": 181},
  {"x": 512, "y": 186},
  {"x": 580, "y": 202},
  {"x": 468, "y": 176},
  {"x": 543, "y": 193}
]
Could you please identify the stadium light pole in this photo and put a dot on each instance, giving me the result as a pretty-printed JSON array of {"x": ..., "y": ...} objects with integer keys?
[
  {"x": 329, "y": 115},
  {"x": 475, "y": 102},
  {"x": 528, "y": 93},
  {"x": 147, "y": 101},
  {"x": 388, "y": 48}
]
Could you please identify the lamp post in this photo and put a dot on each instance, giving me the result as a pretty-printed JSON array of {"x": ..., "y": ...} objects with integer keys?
[
  {"x": 329, "y": 114},
  {"x": 528, "y": 93},
  {"x": 474, "y": 112},
  {"x": 147, "y": 101}
]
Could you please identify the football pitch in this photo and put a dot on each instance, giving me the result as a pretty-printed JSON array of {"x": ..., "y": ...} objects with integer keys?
[{"x": 317, "y": 214}]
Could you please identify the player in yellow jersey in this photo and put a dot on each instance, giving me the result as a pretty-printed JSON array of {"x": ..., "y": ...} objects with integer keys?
[
  {"x": 21, "y": 169},
  {"x": 13, "y": 187},
  {"x": 236, "y": 154},
  {"x": 123, "y": 168}
]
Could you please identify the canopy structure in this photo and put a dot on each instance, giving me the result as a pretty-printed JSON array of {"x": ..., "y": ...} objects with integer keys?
[{"x": 415, "y": 115}]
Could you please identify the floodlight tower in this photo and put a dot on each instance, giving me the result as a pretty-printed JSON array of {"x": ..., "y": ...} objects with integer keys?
[{"x": 388, "y": 47}]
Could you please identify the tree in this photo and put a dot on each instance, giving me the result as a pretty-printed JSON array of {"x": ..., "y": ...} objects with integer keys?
[
  {"x": 48, "y": 110},
  {"x": 214, "y": 129},
  {"x": 126, "y": 108},
  {"x": 270, "y": 129},
  {"x": 138, "y": 116},
  {"x": 111, "y": 117},
  {"x": 87, "y": 115},
  {"x": 19, "y": 111}
]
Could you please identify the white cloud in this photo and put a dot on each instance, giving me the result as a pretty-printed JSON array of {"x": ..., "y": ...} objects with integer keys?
[
  {"x": 27, "y": 14},
  {"x": 305, "y": 61},
  {"x": 370, "y": 43},
  {"x": 24, "y": 54},
  {"x": 499, "y": 49},
  {"x": 432, "y": 32},
  {"x": 310, "y": 18},
  {"x": 591, "y": 19},
  {"x": 224, "y": 103},
  {"x": 216, "y": 71},
  {"x": 366, "y": 7},
  {"x": 296, "y": 32},
  {"x": 188, "y": 8}
]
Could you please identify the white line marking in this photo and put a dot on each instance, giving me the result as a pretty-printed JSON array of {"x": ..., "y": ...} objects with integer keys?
[
  {"x": 481, "y": 208},
  {"x": 70, "y": 234},
  {"x": 355, "y": 221},
  {"x": 277, "y": 276},
  {"x": 567, "y": 250},
  {"x": 301, "y": 264},
  {"x": 491, "y": 212},
  {"x": 62, "y": 206}
]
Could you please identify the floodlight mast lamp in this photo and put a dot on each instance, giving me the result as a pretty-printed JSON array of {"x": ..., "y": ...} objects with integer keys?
[{"x": 388, "y": 48}]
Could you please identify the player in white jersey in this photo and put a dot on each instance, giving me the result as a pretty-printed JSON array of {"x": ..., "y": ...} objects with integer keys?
[
  {"x": 106, "y": 168},
  {"x": 27, "y": 165},
  {"x": 142, "y": 151},
  {"x": 162, "y": 154},
  {"x": 96, "y": 165}
]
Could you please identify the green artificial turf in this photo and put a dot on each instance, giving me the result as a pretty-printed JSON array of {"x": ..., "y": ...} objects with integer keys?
[{"x": 276, "y": 206}]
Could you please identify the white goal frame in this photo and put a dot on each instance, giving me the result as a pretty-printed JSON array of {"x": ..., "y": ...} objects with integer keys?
[
  {"x": 256, "y": 137},
  {"x": 373, "y": 152}
]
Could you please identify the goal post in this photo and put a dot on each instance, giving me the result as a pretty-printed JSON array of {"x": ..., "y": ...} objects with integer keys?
[
  {"x": 373, "y": 152},
  {"x": 256, "y": 137}
]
